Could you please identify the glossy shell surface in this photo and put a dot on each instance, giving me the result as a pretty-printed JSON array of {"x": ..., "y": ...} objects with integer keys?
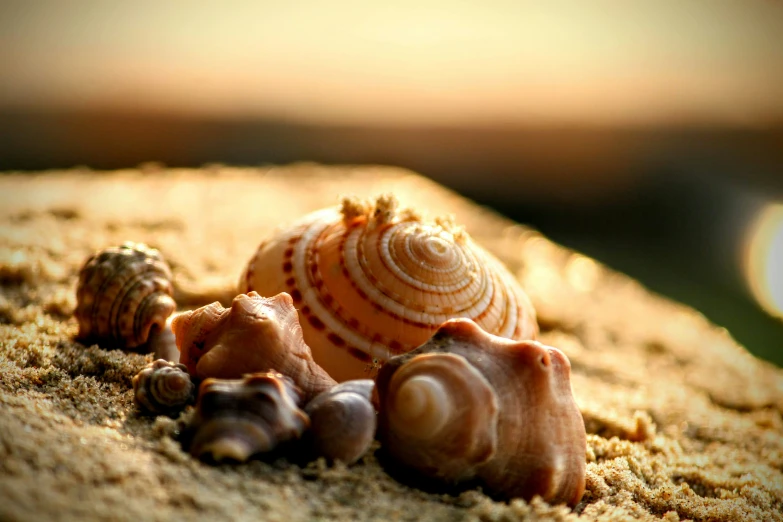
[
  {"x": 371, "y": 281},
  {"x": 468, "y": 404},
  {"x": 342, "y": 421}
]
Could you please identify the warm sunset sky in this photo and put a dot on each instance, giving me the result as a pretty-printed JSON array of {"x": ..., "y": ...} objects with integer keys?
[{"x": 407, "y": 62}]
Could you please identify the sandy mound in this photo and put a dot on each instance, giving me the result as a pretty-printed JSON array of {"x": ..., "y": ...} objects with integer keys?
[{"x": 682, "y": 422}]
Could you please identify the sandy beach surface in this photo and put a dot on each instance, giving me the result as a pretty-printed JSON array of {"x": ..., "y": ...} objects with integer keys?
[{"x": 682, "y": 422}]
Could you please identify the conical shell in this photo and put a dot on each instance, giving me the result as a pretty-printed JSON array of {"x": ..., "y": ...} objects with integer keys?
[
  {"x": 255, "y": 334},
  {"x": 468, "y": 404},
  {"x": 163, "y": 387},
  {"x": 236, "y": 419},
  {"x": 122, "y": 294},
  {"x": 342, "y": 421},
  {"x": 371, "y": 282}
]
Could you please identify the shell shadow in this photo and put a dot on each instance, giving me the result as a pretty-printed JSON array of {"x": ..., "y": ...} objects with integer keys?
[{"x": 411, "y": 478}]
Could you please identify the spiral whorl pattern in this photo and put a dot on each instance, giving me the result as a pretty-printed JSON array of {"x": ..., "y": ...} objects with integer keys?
[
  {"x": 121, "y": 294},
  {"x": 163, "y": 387},
  {"x": 371, "y": 282},
  {"x": 439, "y": 412}
]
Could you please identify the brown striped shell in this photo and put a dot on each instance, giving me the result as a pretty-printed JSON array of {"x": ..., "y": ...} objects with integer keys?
[
  {"x": 123, "y": 294},
  {"x": 163, "y": 387},
  {"x": 236, "y": 419},
  {"x": 255, "y": 334},
  {"x": 371, "y": 282},
  {"x": 469, "y": 405}
]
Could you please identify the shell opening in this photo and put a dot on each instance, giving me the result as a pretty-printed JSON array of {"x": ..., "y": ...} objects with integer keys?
[
  {"x": 231, "y": 439},
  {"x": 228, "y": 450},
  {"x": 422, "y": 407}
]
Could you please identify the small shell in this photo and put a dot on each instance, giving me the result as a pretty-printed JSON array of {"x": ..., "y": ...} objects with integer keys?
[
  {"x": 124, "y": 294},
  {"x": 163, "y": 387},
  {"x": 342, "y": 421},
  {"x": 371, "y": 282},
  {"x": 468, "y": 404},
  {"x": 236, "y": 419},
  {"x": 256, "y": 334}
]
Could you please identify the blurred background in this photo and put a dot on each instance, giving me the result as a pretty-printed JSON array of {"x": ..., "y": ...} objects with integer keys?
[{"x": 645, "y": 133}]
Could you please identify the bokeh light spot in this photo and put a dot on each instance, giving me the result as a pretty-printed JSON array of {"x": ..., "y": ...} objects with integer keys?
[{"x": 764, "y": 259}]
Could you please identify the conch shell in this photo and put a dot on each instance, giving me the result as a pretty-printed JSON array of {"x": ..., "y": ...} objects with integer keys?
[
  {"x": 236, "y": 419},
  {"x": 255, "y": 335},
  {"x": 124, "y": 296},
  {"x": 371, "y": 281},
  {"x": 468, "y": 404}
]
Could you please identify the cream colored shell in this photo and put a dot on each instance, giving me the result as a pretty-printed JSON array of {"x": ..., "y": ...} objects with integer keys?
[{"x": 371, "y": 282}]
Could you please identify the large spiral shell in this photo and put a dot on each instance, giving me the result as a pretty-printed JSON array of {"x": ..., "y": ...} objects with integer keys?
[
  {"x": 122, "y": 293},
  {"x": 371, "y": 282},
  {"x": 467, "y": 404}
]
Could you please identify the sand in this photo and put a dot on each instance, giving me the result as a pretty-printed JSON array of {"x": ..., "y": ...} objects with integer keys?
[{"x": 682, "y": 422}]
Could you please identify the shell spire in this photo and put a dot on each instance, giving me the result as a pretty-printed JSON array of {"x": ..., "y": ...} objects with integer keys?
[{"x": 371, "y": 280}]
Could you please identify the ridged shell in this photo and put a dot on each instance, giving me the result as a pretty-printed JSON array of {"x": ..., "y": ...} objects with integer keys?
[
  {"x": 342, "y": 421},
  {"x": 163, "y": 387},
  {"x": 256, "y": 334},
  {"x": 236, "y": 419},
  {"x": 468, "y": 404},
  {"x": 371, "y": 282},
  {"x": 122, "y": 294}
]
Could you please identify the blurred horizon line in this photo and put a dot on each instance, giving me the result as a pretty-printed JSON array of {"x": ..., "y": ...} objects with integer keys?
[
  {"x": 681, "y": 121},
  {"x": 559, "y": 162}
]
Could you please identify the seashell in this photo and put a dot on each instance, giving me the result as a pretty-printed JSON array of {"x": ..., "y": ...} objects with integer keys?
[
  {"x": 342, "y": 421},
  {"x": 470, "y": 405},
  {"x": 371, "y": 282},
  {"x": 163, "y": 387},
  {"x": 124, "y": 296},
  {"x": 255, "y": 334},
  {"x": 236, "y": 419},
  {"x": 162, "y": 343}
]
